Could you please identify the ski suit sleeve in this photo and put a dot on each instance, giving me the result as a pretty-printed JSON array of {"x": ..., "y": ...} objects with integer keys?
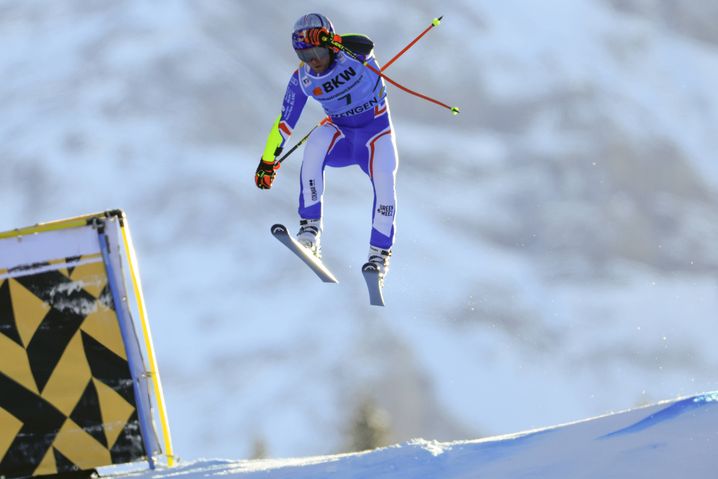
[
  {"x": 359, "y": 44},
  {"x": 363, "y": 47},
  {"x": 292, "y": 106}
]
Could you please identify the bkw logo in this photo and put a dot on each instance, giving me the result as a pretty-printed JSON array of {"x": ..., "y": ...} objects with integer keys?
[{"x": 339, "y": 80}]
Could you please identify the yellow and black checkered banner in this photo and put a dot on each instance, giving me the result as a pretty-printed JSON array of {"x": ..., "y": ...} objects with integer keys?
[{"x": 68, "y": 390}]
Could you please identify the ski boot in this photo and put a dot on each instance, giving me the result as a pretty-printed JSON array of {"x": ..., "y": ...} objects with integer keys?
[
  {"x": 380, "y": 258},
  {"x": 374, "y": 271},
  {"x": 309, "y": 235}
]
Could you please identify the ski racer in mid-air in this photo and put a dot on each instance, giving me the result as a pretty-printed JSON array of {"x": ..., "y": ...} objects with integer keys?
[{"x": 357, "y": 131}]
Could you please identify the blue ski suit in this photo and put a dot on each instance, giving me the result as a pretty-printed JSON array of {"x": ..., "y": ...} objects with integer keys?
[{"x": 358, "y": 131}]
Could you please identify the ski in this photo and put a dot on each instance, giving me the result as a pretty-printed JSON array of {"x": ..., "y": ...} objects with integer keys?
[
  {"x": 373, "y": 284},
  {"x": 280, "y": 232}
]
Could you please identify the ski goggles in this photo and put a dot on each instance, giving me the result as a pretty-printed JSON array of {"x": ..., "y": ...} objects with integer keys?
[
  {"x": 298, "y": 41},
  {"x": 306, "y": 54}
]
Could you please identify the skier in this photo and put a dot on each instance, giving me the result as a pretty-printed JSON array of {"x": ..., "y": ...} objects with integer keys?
[{"x": 357, "y": 131}]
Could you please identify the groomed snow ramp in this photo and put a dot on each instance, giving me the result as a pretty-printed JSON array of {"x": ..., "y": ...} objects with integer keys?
[
  {"x": 669, "y": 440},
  {"x": 78, "y": 389}
]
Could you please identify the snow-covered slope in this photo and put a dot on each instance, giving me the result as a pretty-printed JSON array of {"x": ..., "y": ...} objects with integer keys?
[
  {"x": 556, "y": 241},
  {"x": 666, "y": 440}
]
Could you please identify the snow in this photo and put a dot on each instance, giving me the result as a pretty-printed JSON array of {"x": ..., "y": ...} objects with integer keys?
[
  {"x": 670, "y": 439},
  {"x": 569, "y": 212}
]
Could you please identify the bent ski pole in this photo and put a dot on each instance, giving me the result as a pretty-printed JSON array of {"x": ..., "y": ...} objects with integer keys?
[
  {"x": 453, "y": 109},
  {"x": 434, "y": 23}
]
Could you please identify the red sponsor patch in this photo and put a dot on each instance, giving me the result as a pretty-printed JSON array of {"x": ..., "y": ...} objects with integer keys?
[{"x": 317, "y": 91}]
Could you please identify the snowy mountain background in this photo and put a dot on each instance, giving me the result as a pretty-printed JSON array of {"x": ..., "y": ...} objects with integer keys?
[{"x": 555, "y": 254}]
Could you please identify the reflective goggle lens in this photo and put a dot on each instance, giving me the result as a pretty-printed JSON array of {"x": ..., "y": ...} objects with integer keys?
[{"x": 307, "y": 54}]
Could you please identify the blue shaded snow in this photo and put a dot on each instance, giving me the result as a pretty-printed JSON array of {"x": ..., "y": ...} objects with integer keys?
[{"x": 669, "y": 412}]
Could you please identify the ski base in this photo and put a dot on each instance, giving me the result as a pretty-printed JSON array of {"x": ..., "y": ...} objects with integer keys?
[
  {"x": 373, "y": 283},
  {"x": 282, "y": 234}
]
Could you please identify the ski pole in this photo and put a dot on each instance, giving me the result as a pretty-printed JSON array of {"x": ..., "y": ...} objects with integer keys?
[
  {"x": 454, "y": 110},
  {"x": 303, "y": 140},
  {"x": 434, "y": 23},
  {"x": 341, "y": 47},
  {"x": 299, "y": 143}
]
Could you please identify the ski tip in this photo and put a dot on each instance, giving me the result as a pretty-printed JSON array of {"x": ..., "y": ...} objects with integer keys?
[
  {"x": 370, "y": 268},
  {"x": 278, "y": 229},
  {"x": 373, "y": 282}
]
